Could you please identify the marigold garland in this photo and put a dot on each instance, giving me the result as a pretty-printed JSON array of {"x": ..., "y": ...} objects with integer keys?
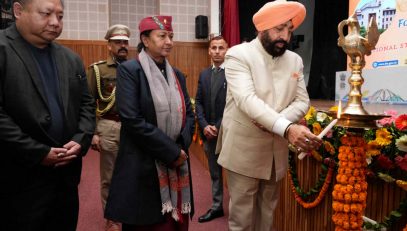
[
  {"x": 386, "y": 153},
  {"x": 320, "y": 196},
  {"x": 298, "y": 195},
  {"x": 350, "y": 192}
]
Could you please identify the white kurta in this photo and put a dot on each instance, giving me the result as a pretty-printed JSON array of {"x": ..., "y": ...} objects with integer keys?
[{"x": 263, "y": 89}]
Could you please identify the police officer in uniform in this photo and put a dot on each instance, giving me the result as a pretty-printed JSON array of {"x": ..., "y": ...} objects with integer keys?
[{"x": 102, "y": 84}]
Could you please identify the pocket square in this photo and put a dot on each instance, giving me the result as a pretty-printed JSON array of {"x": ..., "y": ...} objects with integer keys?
[{"x": 295, "y": 75}]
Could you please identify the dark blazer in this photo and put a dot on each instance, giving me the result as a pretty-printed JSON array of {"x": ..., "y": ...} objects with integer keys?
[
  {"x": 134, "y": 196},
  {"x": 203, "y": 99},
  {"x": 25, "y": 116}
]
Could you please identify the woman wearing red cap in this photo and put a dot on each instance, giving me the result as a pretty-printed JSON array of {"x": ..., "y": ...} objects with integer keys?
[{"x": 151, "y": 184}]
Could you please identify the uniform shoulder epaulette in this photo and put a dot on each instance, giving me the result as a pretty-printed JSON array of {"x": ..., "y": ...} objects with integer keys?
[{"x": 99, "y": 62}]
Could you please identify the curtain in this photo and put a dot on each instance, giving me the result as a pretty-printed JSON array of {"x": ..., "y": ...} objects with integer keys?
[
  {"x": 231, "y": 29},
  {"x": 327, "y": 57}
]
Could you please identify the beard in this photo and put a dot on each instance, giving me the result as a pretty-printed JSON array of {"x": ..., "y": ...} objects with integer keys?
[
  {"x": 271, "y": 46},
  {"x": 122, "y": 58}
]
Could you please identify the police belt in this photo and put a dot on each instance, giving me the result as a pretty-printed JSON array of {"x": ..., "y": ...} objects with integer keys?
[{"x": 114, "y": 117}]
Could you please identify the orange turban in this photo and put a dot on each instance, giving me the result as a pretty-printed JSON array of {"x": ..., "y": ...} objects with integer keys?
[{"x": 278, "y": 12}]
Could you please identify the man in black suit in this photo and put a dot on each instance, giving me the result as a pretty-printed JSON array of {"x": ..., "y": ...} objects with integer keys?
[
  {"x": 47, "y": 121},
  {"x": 210, "y": 103}
]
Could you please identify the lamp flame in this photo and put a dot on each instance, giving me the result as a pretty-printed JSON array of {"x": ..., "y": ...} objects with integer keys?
[{"x": 338, "y": 115}]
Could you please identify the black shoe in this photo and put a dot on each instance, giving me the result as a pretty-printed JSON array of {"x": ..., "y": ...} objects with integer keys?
[{"x": 210, "y": 215}]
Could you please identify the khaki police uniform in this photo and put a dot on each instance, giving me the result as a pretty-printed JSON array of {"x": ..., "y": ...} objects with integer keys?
[{"x": 102, "y": 84}]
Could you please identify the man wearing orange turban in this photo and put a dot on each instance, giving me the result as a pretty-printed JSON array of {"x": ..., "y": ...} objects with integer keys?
[{"x": 266, "y": 95}]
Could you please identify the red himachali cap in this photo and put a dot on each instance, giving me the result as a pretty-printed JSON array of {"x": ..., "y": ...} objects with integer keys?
[{"x": 159, "y": 22}]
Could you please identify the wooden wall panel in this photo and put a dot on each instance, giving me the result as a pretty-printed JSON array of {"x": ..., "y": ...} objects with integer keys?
[
  {"x": 189, "y": 57},
  {"x": 89, "y": 50}
]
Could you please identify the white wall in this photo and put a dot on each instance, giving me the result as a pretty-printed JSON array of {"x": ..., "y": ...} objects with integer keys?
[{"x": 89, "y": 19}]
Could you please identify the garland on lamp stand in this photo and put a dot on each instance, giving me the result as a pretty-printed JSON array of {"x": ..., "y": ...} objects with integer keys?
[
  {"x": 350, "y": 192},
  {"x": 321, "y": 186}
]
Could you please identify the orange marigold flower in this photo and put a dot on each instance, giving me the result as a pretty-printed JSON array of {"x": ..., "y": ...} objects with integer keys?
[
  {"x": 343, "y": 179},
  {"x": 337, "y": 206},
  {"x": 348, "y": 172},
  {"x": 360, "y": 142},
  {"x": 346, "y": 208},
  {"x": 362, "y": 196},
  {"x": 344, "y": 140},
  {"x": 356, "y": 172},
  {"x": 344, "y": 149},
  {"x": 357, "y": 188},
  {"x": 340, "y": 196},
  {"x": 353, "y": 217},
  {"x": 352, "y": 180},
  {"x": 354, "y": 225},
  {"x": 354, "y": 208},
  {"x": 316, "y": 155},
  {"x": 383, "y": 137},
  {"x": 364, "y": 186},
  {"x": 349, "y": 188},
  {"x": 348, "y": 198},
  {"x": 401, "y": 122},
  {"x": 329, "y": 147},
  {"x": 355, "y": 197},
  {"x": 359, "y": 151},
  {"x": 316, "y": 128},
  {"x": 346, "y": 225}
]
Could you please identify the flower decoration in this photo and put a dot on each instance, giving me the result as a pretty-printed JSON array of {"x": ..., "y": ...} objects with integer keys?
[
  {"x": 386, "y": 177},
  {"x": 373, "y": 148},
  {"x": 389, "y": 120},
  {"x": 316, "y": 128},
  {"x": 329, "y": 147},
  {"x": 402, "y": 184},
  {"x": 383, "y": 137},
  {"x": 401, "y": 122},
  {"x": 321, "y": 116},
  {"x": 401, "y": 143},
  {"x": 380, "y": 154},
  {"x": 310, "y": 113},
  {"x": 385, "y": 162},
  {"x": 350, "y": 192},
  {"x": 402, "y": 162}
]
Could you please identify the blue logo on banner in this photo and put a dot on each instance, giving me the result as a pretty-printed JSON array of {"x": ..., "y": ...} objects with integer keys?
[
  {"x": 385, "y": 63},
  {"x": 402, "y": 22}
]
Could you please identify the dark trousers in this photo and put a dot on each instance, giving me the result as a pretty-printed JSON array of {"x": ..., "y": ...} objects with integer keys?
[
  {"x": 216, "y": 174},
  {"x": 49, "y": 207}
]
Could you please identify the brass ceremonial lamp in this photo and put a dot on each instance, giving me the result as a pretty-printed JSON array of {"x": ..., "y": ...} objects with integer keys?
[
  {"x": 350, "y": 191},
  {"x": 356, "y": 46}
]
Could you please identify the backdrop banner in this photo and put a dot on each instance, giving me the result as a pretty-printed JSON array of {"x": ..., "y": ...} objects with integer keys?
[
  {"x": 382, "y": 85},
  {"x": 385, "y": 72}
]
